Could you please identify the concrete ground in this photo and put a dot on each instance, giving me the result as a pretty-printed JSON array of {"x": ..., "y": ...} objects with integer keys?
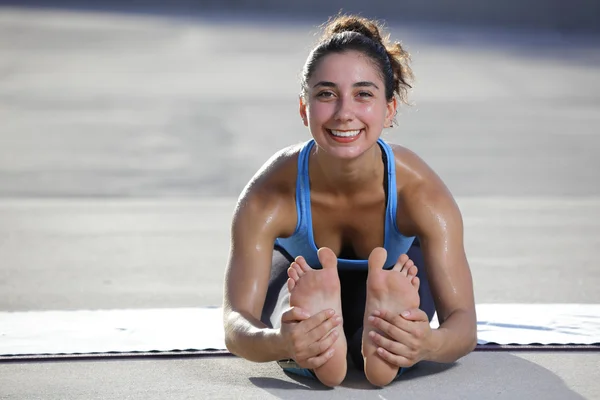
[{"x": 125, "y": 139}]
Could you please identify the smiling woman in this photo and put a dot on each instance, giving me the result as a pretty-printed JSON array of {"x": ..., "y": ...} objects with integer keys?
[{"x": 340, "y": 245}]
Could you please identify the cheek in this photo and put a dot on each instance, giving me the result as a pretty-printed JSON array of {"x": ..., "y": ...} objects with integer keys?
[
  {"x": 373, "y": 113},
  {"x": 320, "y": 111}
]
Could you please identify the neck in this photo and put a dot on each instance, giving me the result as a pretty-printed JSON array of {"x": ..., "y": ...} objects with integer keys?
[{"x": 346, "y": 176}]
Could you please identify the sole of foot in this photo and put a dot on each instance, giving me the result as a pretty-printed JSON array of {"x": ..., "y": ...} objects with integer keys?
[
  {"x": 314, "y": 291},
  {"x": 394, "y": 290}
]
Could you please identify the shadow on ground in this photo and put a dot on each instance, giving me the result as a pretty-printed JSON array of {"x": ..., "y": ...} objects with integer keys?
[{"x": 477, "y": 376}]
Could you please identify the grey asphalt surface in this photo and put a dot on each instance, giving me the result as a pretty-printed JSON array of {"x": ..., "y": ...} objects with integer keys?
[{"x": 124, "y": 141}]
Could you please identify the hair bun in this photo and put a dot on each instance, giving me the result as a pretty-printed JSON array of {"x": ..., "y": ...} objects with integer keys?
[{"x": 354, "y": 24}]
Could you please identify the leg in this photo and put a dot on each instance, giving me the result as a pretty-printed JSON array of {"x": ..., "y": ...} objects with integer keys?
[
  {"x": 277, "y": 299},
  {"x": 317, "y": 290}
]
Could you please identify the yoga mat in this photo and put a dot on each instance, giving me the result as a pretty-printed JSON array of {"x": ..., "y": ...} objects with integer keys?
[{"x": 199, "y": 330}]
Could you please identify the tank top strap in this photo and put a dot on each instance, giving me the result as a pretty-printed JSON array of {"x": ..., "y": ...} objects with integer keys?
[
  {"x": 392, "y": 200},
  {"x": 303, "y": 187}
]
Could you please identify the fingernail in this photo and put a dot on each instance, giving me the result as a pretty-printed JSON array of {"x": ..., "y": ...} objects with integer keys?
[
  {"x": 330, "y": 313},
  {"x": 406, "y": 313},
  {"x": 380, "y": 350},
  {"x": 330, "y": 353},
  {"x": 372, "y": 334},
  {"x": 371, "y": 319},
  {"x": 338, "y": 319},
  {"x": 376, "y": 313},
  {"x": 335, "y": 333}
]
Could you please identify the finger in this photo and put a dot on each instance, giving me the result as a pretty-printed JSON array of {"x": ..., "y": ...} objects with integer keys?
[
  {"x": 394, "y": 359},
  {"x": 415, "y": 314},
  {"x": 321, "y": 331},
  {"x": 325, "y": 343},
  {"x": 294, "y": 314},
  {"x": 392, "y": 346},
  {"x": 324, "y": 317},
  {"x": 318, "y": 361},
  {"x": 390, "y": 329}
]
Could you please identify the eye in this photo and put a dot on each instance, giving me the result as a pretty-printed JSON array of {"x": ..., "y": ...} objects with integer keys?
[
  {"x": 364, "y": 94},
  {"x": 325, "y": 94}
]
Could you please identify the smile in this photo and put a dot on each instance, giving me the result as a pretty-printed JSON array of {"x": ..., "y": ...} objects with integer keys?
[{"x": 344, "y": 134}]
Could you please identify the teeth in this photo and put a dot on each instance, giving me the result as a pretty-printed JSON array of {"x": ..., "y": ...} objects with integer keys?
[{"x": 344, "y": 133}]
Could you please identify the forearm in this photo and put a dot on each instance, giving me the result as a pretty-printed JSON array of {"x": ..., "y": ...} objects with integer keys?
[
  {"x": 455, "y": 338},
  {"x": 249, "y": 338}
]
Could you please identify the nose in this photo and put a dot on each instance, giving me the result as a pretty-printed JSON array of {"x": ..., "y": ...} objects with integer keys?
[{"x": 344, "y": 112}]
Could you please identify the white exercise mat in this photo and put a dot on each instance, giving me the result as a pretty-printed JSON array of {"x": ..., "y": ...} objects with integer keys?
[{"x": 72, "y": 332}]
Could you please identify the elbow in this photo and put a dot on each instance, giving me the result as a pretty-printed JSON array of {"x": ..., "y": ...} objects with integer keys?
[
  {"x": 472, "y": 343},
  {"x": 230, "y": 344},
  {"x": 230, "y": 336}
]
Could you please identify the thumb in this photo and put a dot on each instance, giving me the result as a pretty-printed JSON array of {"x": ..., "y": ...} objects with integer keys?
[
  {"x": 415, "y": 314},
  {"x": 294, "y": 314}
]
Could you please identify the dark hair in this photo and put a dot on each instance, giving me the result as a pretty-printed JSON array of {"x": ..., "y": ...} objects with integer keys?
[{"x": 347, "y": 33}]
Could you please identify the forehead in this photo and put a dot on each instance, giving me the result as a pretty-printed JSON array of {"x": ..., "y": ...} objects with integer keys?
[{"x": 346, "y": 67}]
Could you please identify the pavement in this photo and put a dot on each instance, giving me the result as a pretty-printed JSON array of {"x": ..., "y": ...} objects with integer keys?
[{"x": 125, "y": 140}]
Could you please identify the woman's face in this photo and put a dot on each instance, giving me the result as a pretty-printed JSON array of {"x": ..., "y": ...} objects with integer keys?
[{"x": 345, "y": 106}]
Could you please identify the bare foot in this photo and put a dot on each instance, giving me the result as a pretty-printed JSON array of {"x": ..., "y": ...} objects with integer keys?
[
  {"x": 394, "y": 290},
  {"x": 317, "y": 290}
]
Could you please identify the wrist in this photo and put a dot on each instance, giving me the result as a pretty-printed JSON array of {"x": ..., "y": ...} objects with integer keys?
[
  {"x": 279, "y": 344},
  {"x": 435, "y": 343}
]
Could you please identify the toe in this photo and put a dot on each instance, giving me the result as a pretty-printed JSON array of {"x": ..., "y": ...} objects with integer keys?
[
  {"x": 412, "y": 271},
  {"x": 400, "y": 263},
  {"x": 327, "y": 258},
  {"x": 291, "y": 284},
  {"x": 293, "y": 273},
  {"x": 416, "y": 282},
  {"x": 407, "y": 266},
  {"x": 377, "y": 258},
  {"x": 302, "y": 265}
]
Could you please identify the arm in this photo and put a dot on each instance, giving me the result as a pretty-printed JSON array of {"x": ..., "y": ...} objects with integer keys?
[
  {"x": 261, "y": 216},
  {"x": 246, "y": 280},
  {"x": 438, "y": 223}
]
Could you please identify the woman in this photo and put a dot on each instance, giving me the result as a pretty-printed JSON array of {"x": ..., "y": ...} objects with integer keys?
[{"x": 326, "y": 235}]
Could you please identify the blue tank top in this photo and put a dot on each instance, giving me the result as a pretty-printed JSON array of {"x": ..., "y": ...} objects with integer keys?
[{"x": 302, "y": 242}]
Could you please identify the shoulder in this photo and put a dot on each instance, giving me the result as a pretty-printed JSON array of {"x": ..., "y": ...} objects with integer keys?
[
  {"x": 424, "y": 200},
  {"x": 270, "y": 193}
]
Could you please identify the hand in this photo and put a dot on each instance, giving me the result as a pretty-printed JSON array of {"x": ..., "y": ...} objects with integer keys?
[
  {"x": 408, "y": 338},
  {"x": 309, "y": 340}
]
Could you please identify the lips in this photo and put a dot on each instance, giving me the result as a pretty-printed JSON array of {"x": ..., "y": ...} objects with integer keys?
[{"x": 344, "y": 136}]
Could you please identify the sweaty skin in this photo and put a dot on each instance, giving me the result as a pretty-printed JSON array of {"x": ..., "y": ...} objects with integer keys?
[{"x": 346, "y": 94}]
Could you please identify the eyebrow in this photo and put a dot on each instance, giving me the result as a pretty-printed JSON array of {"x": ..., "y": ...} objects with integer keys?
[{"x": 357, "y": 84}]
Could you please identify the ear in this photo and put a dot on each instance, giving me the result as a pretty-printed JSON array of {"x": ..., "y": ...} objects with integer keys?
[
  {"x": 390, "y": 112},
  {"x": 303, "y": 111}
]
